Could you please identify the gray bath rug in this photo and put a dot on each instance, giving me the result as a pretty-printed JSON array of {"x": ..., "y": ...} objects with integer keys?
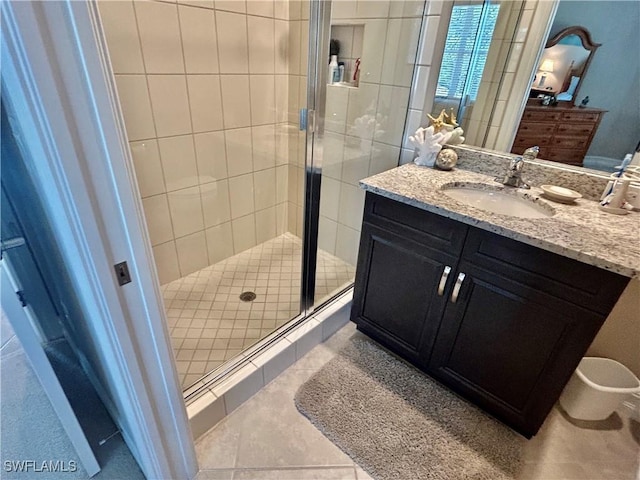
[{"x": 398, "y": 424}]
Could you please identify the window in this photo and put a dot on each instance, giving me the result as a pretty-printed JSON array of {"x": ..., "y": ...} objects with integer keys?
[{"x": 465, "y": 53}]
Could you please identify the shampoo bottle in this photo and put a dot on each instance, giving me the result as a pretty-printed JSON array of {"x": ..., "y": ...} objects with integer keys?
[{"x": 334, "y": 74}]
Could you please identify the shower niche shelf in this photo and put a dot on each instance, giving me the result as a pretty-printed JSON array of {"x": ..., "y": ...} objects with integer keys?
[{"x": 350, "y": 38}]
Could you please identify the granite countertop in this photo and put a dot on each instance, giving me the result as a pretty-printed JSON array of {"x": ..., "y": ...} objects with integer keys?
[{"x": 580, "y": 231}]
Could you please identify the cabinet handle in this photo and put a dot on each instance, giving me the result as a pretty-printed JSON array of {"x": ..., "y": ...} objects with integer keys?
[
  {"x": 456, "y": 287},
  {"x": 443, "y": 280}
]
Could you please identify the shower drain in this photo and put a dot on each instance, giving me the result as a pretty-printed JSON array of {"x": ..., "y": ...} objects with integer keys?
[{"x": 247, "y": 296}]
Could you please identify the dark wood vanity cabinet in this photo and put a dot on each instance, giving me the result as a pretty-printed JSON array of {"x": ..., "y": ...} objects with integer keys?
[
  {"x": 509, "y": 340},
  {"x": 403, "y": 304}
]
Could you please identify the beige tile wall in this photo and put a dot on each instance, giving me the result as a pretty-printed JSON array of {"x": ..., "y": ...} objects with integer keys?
[
  {"x": 209, "y": 92},
  {"x": 295, "y": 90},
  {"x": 364, "y": 125}
]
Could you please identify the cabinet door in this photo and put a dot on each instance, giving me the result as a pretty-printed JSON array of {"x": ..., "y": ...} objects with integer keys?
[
  {"x": 510, "y": 348},
  {"x": 396, "y": 298}
]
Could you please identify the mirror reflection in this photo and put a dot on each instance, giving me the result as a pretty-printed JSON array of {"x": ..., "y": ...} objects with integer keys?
[
  {"x": 550, "y": 120},
  {"x": 608, "y": 77},
  {"x": 473, "y": 61},
  {"x": 563, "y": 65},
  {"x": 465, "y": 54}
]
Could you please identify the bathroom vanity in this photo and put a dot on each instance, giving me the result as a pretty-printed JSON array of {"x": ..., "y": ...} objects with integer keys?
[{"x": 498, "y": 308}]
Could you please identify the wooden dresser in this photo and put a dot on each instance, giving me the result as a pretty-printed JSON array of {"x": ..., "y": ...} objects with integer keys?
[{"x": 562, "y": 133}]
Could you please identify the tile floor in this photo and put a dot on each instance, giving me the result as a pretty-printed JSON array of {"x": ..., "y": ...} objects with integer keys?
[
  {"x": 208, "y": 322},
  {"x": 267, "y": 438}
]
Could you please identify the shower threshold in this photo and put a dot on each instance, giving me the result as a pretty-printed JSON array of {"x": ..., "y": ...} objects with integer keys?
[{"x": 210, "y": 324}]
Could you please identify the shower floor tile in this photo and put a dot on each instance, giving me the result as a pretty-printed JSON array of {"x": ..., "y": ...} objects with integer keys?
[{"x": 209, "y": 324}]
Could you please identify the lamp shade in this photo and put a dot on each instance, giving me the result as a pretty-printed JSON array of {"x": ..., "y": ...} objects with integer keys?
[{"x": 547, "y": 66}]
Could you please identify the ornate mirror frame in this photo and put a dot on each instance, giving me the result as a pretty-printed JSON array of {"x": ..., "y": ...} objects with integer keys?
[{"x": 587, "y": 44}]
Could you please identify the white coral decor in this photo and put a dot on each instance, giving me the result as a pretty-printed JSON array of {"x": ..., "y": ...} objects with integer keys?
[
  {"x": 453, "y": 136},
  {"x": 428, "y": 144}
]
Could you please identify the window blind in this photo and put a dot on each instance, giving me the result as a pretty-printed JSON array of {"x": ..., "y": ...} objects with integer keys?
[{"x": 466, "y": 49}]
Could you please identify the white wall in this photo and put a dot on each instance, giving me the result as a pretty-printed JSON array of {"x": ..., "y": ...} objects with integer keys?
[{"x": 619, "y": 337}]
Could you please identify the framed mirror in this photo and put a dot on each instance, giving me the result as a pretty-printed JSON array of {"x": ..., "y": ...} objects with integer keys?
[
  {"x": 564, "y": 64},
  {"x": 522, "y": 31}
]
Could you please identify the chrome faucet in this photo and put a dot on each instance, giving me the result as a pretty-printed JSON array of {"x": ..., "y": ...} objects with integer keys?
[
  {"x": 513, "y": 175},
  {"x": 531, "y": 153}
]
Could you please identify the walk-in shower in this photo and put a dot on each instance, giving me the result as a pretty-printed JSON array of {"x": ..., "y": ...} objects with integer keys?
[{"x": 212, "y": 95}]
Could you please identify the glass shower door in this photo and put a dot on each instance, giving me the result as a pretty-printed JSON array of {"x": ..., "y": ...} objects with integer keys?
[
  {"x": 359, "y": 122},
  {"x": 210, "y": 94}
]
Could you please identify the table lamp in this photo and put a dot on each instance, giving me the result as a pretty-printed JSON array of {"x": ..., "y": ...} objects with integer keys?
[{"x": 546, "y": 67}]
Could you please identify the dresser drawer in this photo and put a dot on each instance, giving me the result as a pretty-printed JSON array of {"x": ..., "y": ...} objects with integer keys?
[
  {"x": 570, "y": 142},
  {"x": 536, "y": 128},
  {"x": 526, "y": 141},
  {"x": 571, "y": 156},
  {"x": 591, "y": 117},
  {"x": 577, "y": 129},
  {"x": 541, "y": 116}
]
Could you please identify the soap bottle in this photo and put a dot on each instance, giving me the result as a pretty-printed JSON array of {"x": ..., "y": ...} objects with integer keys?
[
  {"x": 333, "y": 69},
  {"x": 341, "y": 72}
]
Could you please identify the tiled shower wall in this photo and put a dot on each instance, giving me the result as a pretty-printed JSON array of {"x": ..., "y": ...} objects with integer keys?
[
  {"x": 364, "y": 124},
  {"x": 210, "y": 93},
  {"x": 298, "y": 34},
  {"x": 206, "y": 90}
]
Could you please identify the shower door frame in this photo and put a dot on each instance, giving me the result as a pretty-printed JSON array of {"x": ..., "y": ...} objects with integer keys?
[{"x": 317, "y": 70}]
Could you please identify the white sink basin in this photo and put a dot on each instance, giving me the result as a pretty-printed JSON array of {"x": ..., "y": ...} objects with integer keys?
[{"x": 496, "y": 201}]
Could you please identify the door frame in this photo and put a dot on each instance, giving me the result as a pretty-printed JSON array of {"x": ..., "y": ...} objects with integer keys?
[{"x": 62, "y": 103}]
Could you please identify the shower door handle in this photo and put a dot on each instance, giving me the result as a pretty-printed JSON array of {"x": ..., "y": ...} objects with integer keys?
[
  {"x": 302, "y": 119},
  {"x": 311, "y": 120},
  {"x": 307, "y": 121}
]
